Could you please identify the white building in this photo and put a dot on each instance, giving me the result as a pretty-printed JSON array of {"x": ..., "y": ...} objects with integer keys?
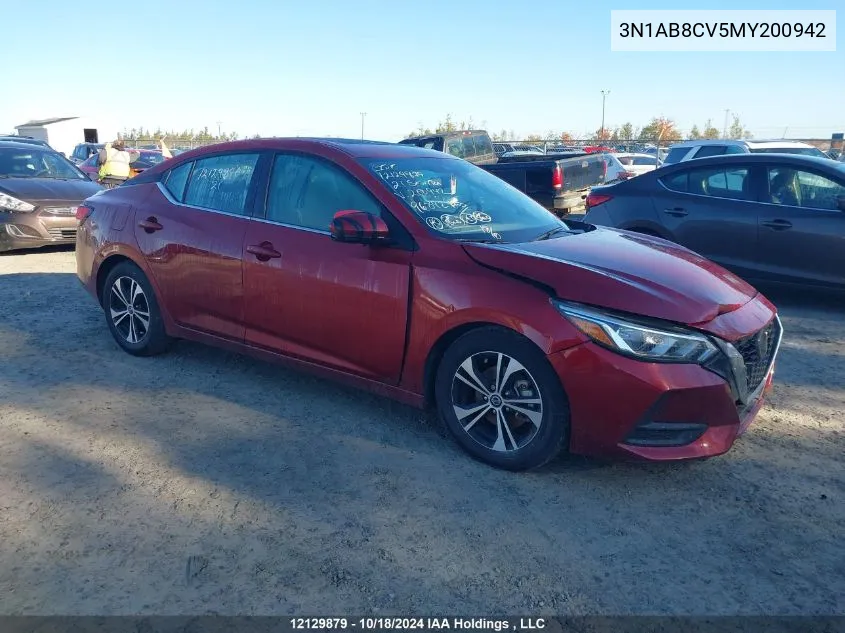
[{"x": 64, "y": 133}]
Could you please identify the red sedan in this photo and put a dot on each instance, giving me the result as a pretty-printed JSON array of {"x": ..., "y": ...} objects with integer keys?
[{"x": 419, "y": 276}]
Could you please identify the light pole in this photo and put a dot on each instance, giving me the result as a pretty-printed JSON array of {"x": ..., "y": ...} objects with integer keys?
[
  {"x": 363, "y": 114},
  {"x": 219, "y": 123},
  {"x": 725, "y": 130},
  {"x": 604, "y": 94}
]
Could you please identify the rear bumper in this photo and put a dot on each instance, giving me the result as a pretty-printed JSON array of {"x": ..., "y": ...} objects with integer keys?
[
  {"x": 34, "y": 230},
  {"x": 571, "y": 201},
  {"x": 627, "y": 409}
]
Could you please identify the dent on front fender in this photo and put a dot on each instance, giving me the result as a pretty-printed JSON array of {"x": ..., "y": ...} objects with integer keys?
[{"x": 445, "y": 301}]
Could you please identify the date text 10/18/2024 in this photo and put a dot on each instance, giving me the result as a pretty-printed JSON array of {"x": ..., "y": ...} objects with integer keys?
[{"x": 418, "y": 624}]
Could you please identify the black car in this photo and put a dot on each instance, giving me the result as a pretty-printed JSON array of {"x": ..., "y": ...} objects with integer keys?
[
  {"x": 768, "y": 217},
  {"x": 473, "y": 146}
]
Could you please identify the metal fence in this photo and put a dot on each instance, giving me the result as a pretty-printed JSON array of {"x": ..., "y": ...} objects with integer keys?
[
  {"x": 638, "y": 145},
  {"x": 172, "y": 143}
]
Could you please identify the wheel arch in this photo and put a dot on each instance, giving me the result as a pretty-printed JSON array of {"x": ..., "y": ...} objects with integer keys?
[
  {"x": 106, "y": 266},
  {"x": 445, "y": 340}
]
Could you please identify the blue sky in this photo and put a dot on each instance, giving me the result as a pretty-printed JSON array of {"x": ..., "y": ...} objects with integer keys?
[{"x": 309, "y": 68}]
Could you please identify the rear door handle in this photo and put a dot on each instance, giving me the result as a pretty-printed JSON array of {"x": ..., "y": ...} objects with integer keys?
[
  {"x": 264, "y": 251},
  {"x": 778, "y": 225},
  {"x": 150, "y": 225},
  {"x": 678, "y": 212}
]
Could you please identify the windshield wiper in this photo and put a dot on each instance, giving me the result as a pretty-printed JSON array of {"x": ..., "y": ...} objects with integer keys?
[
  {"x": 480, "y": 240},
  {"x": 551, "y": 233}
]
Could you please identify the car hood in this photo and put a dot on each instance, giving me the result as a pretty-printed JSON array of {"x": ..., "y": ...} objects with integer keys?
[
  {"x": 623, "y": 271},
  {"x": 38, "y": 189}
]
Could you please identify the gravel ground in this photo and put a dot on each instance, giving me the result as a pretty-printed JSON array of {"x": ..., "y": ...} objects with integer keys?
[{"x": 205, "y": 482}]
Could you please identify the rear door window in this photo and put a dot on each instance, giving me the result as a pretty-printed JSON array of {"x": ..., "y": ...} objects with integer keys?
[
  {"x": 719, "y": 182},
  {"x": 221, "y": 183}
]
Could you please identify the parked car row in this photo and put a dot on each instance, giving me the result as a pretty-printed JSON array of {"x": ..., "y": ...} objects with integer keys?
[{"x": 40, "y": 191}]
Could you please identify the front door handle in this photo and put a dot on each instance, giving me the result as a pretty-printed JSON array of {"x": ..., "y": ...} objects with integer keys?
[
  {"x": 778, "y": 225},
  {"x": 150, "y": 225},
  {"x": 678, "y": 212},
  {"x": 264, "y": 251}
]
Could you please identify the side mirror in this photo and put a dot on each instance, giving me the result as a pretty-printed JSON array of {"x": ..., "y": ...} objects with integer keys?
[{"x": 358, "y": 227}]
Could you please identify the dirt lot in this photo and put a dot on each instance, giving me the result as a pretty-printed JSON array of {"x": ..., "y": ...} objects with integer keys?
[{"x": 204, "y": 482}]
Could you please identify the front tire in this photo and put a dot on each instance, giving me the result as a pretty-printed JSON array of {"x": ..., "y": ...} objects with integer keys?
[
  {"x": 132, "y": 311},
  {"x": 501, "y": 400}
]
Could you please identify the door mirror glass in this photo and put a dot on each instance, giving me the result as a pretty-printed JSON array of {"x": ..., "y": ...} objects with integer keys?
[{"x": 358, "y": 227}]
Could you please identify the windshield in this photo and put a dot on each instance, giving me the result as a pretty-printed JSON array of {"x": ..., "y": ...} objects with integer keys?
[
  {"x": 36, "y": 163},
  {"x": 460, "y": 201},
  {"x": 801, "y": 151}
]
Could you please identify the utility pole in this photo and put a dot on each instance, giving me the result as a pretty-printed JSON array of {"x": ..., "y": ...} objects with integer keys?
[
  {"x": 725, "y": 131},
  {"x": 219, "y": 123},
  {"x": 604, "y": 94},
  {"x": 363, "y": 114}
]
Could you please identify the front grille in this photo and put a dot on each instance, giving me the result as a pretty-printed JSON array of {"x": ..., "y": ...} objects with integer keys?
[
  {"x": 62, "y": 234},
  {"x": 757, "y": 351}
]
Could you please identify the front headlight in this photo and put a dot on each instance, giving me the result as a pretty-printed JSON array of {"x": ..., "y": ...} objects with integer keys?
[
  {"x": 8, "y": 203},
  {"x": 650, "y": 343}
]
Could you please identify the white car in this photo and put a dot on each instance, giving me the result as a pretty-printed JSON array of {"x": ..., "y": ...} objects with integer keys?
[
  {"x": 688, "y": 150},
  {"x": 616, "y": 171},
  {"x": 637, "y": 163}
]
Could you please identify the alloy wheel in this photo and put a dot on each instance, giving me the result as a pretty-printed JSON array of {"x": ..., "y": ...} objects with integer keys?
[
  {"x": 129, "y": 309},
  {"x": 497, "y": 401}
]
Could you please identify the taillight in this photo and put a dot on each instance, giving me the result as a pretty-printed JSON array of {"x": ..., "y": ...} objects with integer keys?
[
  {"x": 82, "y": 212},
  {"x": 557, "y": 177},
  {"x": 595, "y": 199}
]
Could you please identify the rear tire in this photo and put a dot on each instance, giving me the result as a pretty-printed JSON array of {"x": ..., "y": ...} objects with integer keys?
[
  {"x": 132, "y": 313},
  {"x": 501, "y": 400}
]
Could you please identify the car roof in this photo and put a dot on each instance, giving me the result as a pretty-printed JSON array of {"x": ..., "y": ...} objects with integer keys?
[
  {"x": 434, "y": 134},
  {"x": 355, "y": 148},
  {"x": 24, "y": 145},
  {"x": 796, "y": 160},
  {"x": 748, "y": 143},
  {"x": 633, "y": 154}
]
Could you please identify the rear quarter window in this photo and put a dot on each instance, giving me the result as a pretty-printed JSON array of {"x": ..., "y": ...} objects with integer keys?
[
  {"x": 676, "y": 182},
  {"x": 176, "y": 179},
  {"x": 676, "y": 155}
]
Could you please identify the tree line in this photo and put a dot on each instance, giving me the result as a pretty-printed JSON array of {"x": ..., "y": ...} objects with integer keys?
[
  {"x": 203, "y": 135},
  {"x": 659, "y": 129}
]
